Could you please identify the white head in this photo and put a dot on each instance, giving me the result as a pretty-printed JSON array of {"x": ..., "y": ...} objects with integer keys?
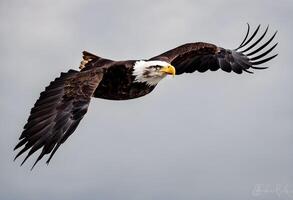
[{"x": 151, "y": 72}]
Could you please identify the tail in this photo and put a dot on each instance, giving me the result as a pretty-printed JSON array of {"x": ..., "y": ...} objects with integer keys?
[{"x": 88, "y": 59}]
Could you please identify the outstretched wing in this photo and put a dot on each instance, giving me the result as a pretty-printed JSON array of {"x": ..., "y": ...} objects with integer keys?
[
  {"x": 204, "y": 56},
  {"x": 57, "y": 112}
]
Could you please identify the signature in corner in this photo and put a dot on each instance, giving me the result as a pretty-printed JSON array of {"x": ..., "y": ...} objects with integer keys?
[{"x": 273, "y": 189}]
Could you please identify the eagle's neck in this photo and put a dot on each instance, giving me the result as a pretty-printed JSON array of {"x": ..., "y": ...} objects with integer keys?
[{"x": 141, "y": 74}]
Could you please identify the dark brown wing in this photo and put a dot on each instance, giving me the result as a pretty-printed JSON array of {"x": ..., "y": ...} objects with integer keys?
[
  {"x": 57, "y": 112},
  {"x": 204, "y": 56}
]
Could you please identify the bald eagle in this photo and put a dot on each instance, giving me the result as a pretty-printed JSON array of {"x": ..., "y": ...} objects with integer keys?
[{"x": 63, "y": 104}]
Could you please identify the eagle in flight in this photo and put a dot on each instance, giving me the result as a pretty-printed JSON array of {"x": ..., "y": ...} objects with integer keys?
[{"x": 60, "y": 108}]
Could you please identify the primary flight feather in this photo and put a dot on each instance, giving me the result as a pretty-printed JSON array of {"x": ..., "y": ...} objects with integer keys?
[{"x": 62, "y": 105}]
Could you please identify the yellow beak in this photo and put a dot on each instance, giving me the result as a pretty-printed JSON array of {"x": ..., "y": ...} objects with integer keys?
[{"x": 169, "y": 70}]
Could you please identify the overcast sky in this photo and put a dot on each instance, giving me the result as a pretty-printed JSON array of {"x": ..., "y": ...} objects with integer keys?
[{"x": 198, "y": 136}]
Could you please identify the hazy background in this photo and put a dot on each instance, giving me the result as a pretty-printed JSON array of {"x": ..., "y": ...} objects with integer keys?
[{"x": 198, "y": 136}]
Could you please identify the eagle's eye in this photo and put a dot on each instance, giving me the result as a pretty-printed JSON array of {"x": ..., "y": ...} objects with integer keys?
[{"x": 157, "y": 67}]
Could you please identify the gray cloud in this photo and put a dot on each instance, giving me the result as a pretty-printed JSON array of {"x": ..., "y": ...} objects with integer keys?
[{"x": 198, "y": 136}]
